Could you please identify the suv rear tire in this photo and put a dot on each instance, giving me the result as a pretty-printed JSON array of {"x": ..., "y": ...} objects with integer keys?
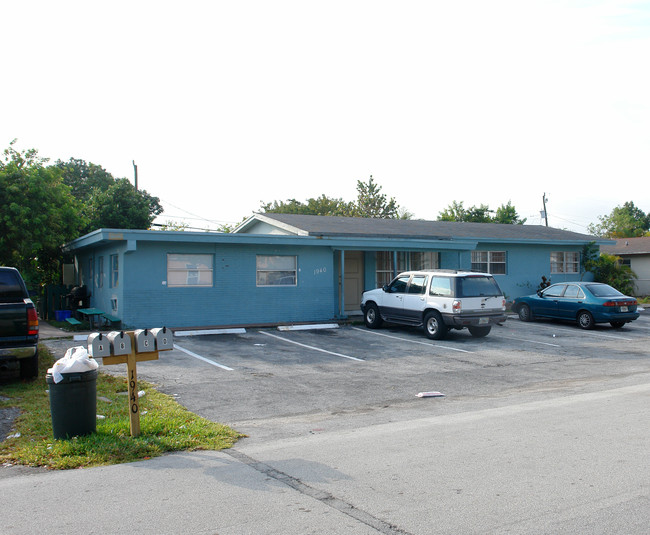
[{"x": 434, "y": 327}]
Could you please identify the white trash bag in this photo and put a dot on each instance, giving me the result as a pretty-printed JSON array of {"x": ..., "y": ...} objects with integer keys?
[{"x": 75, "y": 360}]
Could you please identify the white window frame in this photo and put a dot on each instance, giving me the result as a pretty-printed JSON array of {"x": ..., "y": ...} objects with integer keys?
[
  {"x": 561, "y": 264},
  {"x": 383, "y": 267},
  {"x": 490, "y": 259},
  {"x": 419, "y": 260},
  {"x": 190, "y": 270},
  {"x": 276, "y": 270},
  {"x": 406, "y": 260}
]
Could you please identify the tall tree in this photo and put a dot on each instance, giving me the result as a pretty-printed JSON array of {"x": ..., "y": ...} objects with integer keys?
[
  {"x": 505, "y": 214},
  {"x": 108, "y": 202},
  {"x": 37, "y": 215},
  {"x": 370, "y": 203},
  {"x": 83, "y": 178},
  {"x": 322, "y": 205},
  {"x": 122, "y": 206},
  {"x": 625, "y": 221}
]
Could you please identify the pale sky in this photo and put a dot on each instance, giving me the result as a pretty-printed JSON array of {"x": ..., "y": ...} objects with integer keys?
[{"x": 227, "y": 104}]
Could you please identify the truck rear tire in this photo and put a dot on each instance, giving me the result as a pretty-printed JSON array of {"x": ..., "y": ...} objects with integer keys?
[{"x": 29, "y": 367}]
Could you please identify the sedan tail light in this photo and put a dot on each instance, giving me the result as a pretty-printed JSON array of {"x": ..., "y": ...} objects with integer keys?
[{"x": 619, "y": 303}]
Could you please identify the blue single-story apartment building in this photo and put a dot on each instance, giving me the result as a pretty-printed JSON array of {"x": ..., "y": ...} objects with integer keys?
[{"x": 290, "y": 268}]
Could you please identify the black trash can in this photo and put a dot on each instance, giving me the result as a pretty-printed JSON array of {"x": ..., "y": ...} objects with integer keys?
[{"x": 73, "y": 404}]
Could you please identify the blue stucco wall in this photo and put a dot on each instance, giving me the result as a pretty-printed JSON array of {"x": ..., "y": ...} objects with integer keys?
[
  {"x": 234, "y": 299},
  {"x": 104, "y": 295},
  {"x": 525, "y": 265},
  {"x": 143, "y": 298}
]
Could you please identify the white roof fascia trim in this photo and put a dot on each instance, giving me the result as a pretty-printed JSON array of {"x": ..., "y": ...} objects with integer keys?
[{"x": 283, "y": 226}]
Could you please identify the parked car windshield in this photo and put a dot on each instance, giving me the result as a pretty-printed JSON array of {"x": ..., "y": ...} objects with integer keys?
[
  {"x": 604, "y": 290},
  {"x": 477, "y": 286}
]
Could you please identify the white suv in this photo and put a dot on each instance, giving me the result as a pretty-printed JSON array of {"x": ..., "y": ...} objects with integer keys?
[{"x": 438, "y": 299}]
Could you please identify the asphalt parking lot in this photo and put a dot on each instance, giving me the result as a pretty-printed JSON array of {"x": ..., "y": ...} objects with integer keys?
[
  {"x": 268, "y": 382},
  {"x": 541, "y": 430}
]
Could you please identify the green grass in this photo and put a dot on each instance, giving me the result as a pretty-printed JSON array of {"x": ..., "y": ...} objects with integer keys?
[{"x": 165, "y": 426}]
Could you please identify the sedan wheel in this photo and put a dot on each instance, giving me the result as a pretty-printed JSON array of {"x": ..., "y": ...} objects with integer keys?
[
  {"x": 617, "y": 324},
  {"x": 372, "y": 318},
  {"x": 434, "y": 327},
  {"x": 524, "y": 313},
  {"x": 585, "y": 320}
]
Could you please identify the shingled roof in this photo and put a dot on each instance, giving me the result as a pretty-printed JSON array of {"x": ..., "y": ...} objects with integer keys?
[
  {"x": 313, "y": 225},
  {"x": 626, "y": 246}
]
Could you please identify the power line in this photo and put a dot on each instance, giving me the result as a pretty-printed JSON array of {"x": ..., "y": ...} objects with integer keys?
[{"x": 197, "y": 216}]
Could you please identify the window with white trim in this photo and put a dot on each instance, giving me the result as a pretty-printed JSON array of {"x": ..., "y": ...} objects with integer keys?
[
  {"x": 384, "y": 269},
  {"x": 414, "y": 261},
  {"x": 565, "y": 262},
  {"x": 424, "y": 260},
  {"x": 189, "y": 270},
  {"x": 493, "y": 262},
  {"x": 277, "y": 270}
]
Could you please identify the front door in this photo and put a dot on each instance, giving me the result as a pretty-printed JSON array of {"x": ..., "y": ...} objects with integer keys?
[{"x": 353, "y": 281}]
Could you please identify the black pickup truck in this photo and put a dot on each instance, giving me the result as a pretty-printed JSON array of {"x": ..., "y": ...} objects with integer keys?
[{"x": 18, "y": 325}]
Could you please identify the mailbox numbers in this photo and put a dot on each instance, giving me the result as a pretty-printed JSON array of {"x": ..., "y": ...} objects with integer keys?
[{"x": 134, "y": 394}]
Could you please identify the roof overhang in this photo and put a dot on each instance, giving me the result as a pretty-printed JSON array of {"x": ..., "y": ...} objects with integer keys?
[{"x": 131, "y": 238}]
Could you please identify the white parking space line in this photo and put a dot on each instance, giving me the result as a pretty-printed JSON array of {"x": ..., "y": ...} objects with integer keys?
[
  {"x": 188, "y": 352},
  {"x": 430, "y": 344},
  {"x": 310, "y": 347},
  {"x": 531, "y": 341},
  {"x": 578, "y": 330}
]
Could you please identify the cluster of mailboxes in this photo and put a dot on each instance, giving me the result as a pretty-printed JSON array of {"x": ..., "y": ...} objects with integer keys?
[{"x": 119, "y": 343}]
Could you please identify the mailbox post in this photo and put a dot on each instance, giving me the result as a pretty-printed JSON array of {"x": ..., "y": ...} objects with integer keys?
[{"x": 131, "y": 347}]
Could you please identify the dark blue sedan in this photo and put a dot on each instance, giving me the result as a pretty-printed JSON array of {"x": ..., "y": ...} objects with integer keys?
[{"x": 587, "y": 303}]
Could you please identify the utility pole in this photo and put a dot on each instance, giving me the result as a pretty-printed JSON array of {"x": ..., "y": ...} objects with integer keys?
[
  {"x": 135, "y": 172},
  {"x": 544, "y": 199}
]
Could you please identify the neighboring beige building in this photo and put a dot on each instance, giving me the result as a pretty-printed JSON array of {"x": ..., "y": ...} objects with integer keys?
[{"x": 635, "y": 252}]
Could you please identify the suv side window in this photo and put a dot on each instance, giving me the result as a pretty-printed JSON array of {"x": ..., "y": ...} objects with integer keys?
[
  {"x": 441, "y": 286},
  {"x": 398, "y": 286},
  {"x": 418, "y": 284}
]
